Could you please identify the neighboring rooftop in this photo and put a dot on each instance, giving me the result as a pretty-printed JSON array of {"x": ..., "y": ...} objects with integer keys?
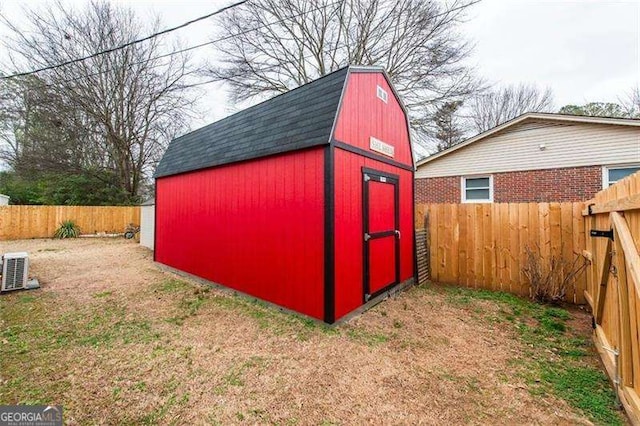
[
  {"x": 532, "y": 116},
  {"x": 300, "y": 118}
]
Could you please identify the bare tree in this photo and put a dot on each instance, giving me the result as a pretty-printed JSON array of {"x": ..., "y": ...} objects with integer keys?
[
  {"x": 273, "y": 46},
  {"x": 494, "y": 107},
  {"x": 631, "y": 103},
  {"x": 120, "y": 109},
  {"x": 44, "y": 132}
]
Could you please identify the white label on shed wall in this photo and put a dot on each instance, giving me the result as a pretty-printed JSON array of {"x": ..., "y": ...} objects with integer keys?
[{"x": 381, "y": 147}]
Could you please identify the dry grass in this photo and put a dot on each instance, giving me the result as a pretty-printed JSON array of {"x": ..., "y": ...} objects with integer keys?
[{"x": 116, "y": 340}]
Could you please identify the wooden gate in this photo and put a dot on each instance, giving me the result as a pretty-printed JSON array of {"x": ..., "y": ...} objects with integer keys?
[{"x": 612, "y": 225}]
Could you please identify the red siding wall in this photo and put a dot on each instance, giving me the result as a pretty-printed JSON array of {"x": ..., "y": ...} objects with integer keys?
[
  {"x": 551, "y": 185},
  {"x": 256, "y": 227},
  {"x": 364, "y": 115},
  {"x": 348, "y": 227}
]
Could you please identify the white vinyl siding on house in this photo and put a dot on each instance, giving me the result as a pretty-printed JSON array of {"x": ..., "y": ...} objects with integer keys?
[
  {"x": 477, "y": 189},
  {"x": 613, "y": 174},
  {"x": 537, "y": 145}
]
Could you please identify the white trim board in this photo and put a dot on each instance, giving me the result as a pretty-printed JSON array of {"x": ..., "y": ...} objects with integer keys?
[{"x": 463, "y": 188}]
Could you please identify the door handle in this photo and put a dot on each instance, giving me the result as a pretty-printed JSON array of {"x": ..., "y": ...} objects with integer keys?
[{"x": 397, "y": 233}]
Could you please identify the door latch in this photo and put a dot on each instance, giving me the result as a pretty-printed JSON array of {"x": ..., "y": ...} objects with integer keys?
[{"x": 397, "y": 233}]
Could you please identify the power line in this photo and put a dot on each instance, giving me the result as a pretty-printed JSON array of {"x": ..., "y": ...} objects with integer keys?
[
  {"x": 262, "y": 68},
  {"x": 197, "y": 46},
  {"x": 122, "y": 46},
  {"x": 227, "y": 37}
]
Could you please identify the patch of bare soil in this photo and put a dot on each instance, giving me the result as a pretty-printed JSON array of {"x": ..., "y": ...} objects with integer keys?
[{"x": 130, "y": 343}]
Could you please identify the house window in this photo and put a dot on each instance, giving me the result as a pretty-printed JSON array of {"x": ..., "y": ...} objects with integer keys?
[
  {"x": 611, "y": 175},
  {"x": 382, "y": 94},
  {"x": 477, "y": 189}
]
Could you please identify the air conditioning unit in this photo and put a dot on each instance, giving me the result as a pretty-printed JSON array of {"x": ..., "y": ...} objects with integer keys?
[{"x": 15, "y": 267}]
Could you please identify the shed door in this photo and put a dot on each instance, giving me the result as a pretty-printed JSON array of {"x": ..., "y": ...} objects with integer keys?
[{"x": 381, "y": 232}]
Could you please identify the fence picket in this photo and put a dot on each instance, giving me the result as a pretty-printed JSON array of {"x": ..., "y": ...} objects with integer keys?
[
  {"x": 19, "y": 222},
  {"x": 484, "y": 245}
]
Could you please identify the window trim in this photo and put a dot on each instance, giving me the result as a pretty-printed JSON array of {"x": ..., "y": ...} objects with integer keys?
[
  {"x": 605, "y": 172},
  {"x": 385, "y": 96},
  {"x": 463, "y": 188}
]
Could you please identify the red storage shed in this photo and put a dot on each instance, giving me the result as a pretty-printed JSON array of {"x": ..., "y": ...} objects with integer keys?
[{"x": 304, "y": 200}]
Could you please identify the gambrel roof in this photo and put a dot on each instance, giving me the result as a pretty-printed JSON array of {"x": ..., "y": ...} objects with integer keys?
[{"x": 300, "y": 118}]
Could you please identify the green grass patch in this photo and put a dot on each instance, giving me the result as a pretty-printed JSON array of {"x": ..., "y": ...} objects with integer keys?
[
  {"x": 266, "y": 315},
  {"x": 104, "y": 326},
  {"x": 188, "y": 307},
  {"x": 36, "y": 334},
  {"x": 271, "y": 318},
  {"x": 173, "y": 285},
  {"x": 585, "y": 388},
  {"x": 26, "y": 298},
  {"x": 556, "y": 361},
  {"x": 367, "y": 337},
  {"x": 172, "y": 399},
  {"x": 235, "y": 376}
]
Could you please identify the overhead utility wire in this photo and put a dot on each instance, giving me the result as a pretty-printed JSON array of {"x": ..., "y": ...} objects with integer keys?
[
  {"x": 187, "y": 48},
  {"x": 197, "y": 46},
  {"x": 131, "y": 43}
]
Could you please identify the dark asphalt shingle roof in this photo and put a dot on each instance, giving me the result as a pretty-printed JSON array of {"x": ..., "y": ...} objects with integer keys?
[{"x": 300, "y": 118}]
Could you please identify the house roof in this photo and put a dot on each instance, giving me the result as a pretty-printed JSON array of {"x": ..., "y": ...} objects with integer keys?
[
  {"x": 530, "y": 116},
  {"x": 300, "y": 118}
]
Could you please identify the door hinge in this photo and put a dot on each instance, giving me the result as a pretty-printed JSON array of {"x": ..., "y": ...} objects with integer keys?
[
  {"x": 367, "y": 297},
  {"x": 366, "y": 177},
  {"x": 367, "y": 237},
  {"x": 604, "y": 234}
]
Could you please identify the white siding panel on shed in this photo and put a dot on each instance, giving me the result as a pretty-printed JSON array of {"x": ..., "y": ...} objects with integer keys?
[
  {"x": 565, "y": 145},
  {"x": 147, "y": 225}
]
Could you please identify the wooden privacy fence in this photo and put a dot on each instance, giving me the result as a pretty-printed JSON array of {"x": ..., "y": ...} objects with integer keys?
[
  {"x": 613, "y": 285},
  {"x": 17, "y": 222},
  {"x": 485, "y": 245}
]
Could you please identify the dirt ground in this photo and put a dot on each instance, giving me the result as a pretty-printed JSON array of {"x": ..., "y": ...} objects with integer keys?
[{"x": 115, "y": 339}]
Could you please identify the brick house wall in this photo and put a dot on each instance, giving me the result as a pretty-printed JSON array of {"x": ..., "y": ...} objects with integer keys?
[
  {"x": 551, "y": 185},
  {"x": 438, "y": 190}
]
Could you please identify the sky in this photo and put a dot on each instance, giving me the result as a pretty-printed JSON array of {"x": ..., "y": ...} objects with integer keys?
[{"x": 583, "y": 50}]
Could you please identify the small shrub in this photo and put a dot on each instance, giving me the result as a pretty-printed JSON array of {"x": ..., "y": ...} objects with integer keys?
[
  {"x": 550, "y": 279},
  {"x": 67, "y": 229}
]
